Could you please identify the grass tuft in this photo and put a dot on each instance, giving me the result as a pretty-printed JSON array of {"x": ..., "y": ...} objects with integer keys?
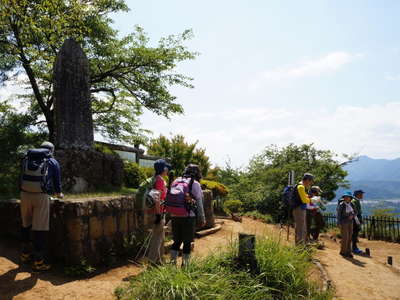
[{"x": 282, "y": 274}]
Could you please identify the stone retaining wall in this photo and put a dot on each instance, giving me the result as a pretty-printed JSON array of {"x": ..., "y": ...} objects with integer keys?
[{"x": 92, "y": 229}]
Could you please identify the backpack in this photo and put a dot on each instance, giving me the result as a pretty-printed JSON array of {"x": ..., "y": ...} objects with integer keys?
[
  {"x": 177, "y": 202},
  {"x": 290, "y": 197},
  {"x": 146, "y": 196},
  {"x": 34, "y": 172}
]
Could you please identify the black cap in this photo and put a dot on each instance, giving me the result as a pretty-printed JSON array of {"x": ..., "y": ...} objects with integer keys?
[
  {"x": 357, "y": 192},
  {"x": 308, "y": 176}
]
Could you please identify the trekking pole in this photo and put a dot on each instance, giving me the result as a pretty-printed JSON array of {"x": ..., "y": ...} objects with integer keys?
[
  {"x": 145, "y": 246},
  {"x": 291, "y": 183}
]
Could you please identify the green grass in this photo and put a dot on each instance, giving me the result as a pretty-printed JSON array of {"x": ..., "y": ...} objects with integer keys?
[
  {"x": 259, "y": 216},
  {"x": 101, "y": 193},
  {"x": 282, "y": 274}
]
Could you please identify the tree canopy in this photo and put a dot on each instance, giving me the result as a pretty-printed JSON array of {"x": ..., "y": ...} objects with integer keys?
[
  {"x": 261, "y": 184},
  {"x": 180, "y": 153},
  {"x": 128, "y": 74}
]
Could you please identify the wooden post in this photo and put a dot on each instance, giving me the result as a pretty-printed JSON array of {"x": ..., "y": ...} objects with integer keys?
[
  {"x": 247, "y": 249},
  {"x": 367, "y": 252},
  {"x": 390, "y": 260}
]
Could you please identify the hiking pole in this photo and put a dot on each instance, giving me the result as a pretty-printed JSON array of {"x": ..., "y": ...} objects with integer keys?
[
  {"x": 291, "y": 183},
  {"x": 145, "y": 246}
]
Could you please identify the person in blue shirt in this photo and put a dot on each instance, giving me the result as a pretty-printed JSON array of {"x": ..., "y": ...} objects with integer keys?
[{"x": 35, "y": 210}]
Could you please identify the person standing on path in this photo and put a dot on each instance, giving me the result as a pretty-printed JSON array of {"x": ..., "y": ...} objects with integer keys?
[
  {"x": 40, "y": 178},
  {"x": 315, "y": 214},
  {"x": 185, "y": 205},
  {"x": 358, "y": 196},
  {"x": 156, "y": 246},
  {"x": 299, "y": 212},
  {"x": 345, "y": 218}
]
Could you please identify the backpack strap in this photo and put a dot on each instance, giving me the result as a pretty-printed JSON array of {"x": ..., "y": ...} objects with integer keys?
[{"x": 191, "y": 186}]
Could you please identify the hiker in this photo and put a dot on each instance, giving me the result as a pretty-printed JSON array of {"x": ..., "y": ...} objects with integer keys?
[
  {"x": 156, "y": 245},
  {"x": 299, "y": 211},
  {"x": 358, "y": 195},
  {"x": 185, "y": 204},
  {"x": 41, "y": 177},
  {"x": 346, "y": 214},
  {"x": 315, "y": 214}
]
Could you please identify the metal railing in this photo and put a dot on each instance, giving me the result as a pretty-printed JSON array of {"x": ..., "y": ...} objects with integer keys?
[{"x": 373, "y": 228}]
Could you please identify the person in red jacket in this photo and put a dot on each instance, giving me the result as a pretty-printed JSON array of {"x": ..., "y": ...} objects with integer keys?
[{"x": 156, "y": 246}]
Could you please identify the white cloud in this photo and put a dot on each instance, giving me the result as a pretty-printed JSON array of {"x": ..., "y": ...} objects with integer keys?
[
  {"x": 241, "y": 133},
  {"x": 307, "y": 68}
]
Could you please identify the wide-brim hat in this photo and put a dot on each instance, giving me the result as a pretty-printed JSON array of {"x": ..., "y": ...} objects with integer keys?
[{"x": 347, "y": 194}]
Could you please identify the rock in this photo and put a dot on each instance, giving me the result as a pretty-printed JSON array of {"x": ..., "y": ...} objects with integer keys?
[{"x": 72, "y": 106}]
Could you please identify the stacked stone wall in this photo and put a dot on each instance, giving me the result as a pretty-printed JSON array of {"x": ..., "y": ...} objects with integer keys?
[{"x": 91, "y": 229}]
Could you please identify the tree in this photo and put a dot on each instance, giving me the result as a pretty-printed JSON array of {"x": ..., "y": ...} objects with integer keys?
[
  {"x": 127, "y": 74},
  {"x": 260, "y": 186},
  {"x": 180, "y": 153},
  {"x": 14, "y": 132}
]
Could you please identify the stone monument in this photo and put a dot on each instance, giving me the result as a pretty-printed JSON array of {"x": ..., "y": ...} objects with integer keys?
[
  {"x": 83, "y": 168},
  {"x": 73, "y": 111}
]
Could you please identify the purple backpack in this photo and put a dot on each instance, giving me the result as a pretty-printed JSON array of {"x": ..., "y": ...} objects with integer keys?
[{"x": 175, "y": 202}]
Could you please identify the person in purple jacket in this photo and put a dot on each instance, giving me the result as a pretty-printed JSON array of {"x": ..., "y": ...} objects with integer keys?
[{"x": 40, "y": 178}]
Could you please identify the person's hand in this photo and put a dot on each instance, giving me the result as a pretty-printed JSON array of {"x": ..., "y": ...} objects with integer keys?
[
  {"x": 59, "y": 195},
  {"x": 158, "y": 219}
]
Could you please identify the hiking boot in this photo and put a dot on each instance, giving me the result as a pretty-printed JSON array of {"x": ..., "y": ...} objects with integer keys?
[
  {"x": 25, "y": 258},
  {"x": 40, "y": 265},
  {"x": 357, "y": 251}
]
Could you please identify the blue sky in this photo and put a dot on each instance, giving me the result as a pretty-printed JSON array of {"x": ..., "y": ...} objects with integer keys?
[{"x": 276, "y": 72}]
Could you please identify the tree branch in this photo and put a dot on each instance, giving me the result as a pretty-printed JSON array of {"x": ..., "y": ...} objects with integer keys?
[{"x": 112, "y": 93}]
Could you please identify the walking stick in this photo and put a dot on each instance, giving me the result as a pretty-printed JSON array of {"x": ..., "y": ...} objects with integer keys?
[{"x": 291, "y": 183}]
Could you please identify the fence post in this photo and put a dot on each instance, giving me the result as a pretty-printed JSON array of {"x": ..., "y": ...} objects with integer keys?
[{"x": 247, "y": 250}]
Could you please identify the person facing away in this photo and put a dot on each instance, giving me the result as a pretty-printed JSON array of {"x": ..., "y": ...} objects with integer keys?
[
  {"x": 315, "y": 214},
  {"x": 156, "y": 245},
  {"x": 358, "y": 195},
  {"x": 184, "y": 216},
  {"x": 299, "y": 211},
  {"x": 345, "y": 217},
  {"x": 40, "y": 178}
]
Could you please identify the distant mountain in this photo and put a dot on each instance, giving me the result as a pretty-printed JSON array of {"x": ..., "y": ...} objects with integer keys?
[
  {"x": 379, "y": 178},
  {"x": 366, "y": 168}
]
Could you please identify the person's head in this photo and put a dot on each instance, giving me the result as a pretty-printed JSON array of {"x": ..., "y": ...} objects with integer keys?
[
  {"x": 48, "y": 145},
  {"x": 315, "y": 191},
  {"x": 347, "y": 196},
  {"x": 192, "y": 171},
  {"x": 359, "y": 194},
  {"x": 308, "y": 179},
  {"x": 161, "y": 167}
]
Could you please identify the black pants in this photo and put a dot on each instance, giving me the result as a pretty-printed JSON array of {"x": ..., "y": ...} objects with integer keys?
[
  {"x": 187, "y": 247},
  {"x": 318, "y": 222},
  {"x": 354, "y": 238}
]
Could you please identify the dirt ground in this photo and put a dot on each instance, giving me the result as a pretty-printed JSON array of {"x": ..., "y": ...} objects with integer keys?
[{"x": 360, "y": 278}]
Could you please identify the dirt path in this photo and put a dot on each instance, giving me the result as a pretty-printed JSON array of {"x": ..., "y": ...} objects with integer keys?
[{"x": 361, "y": 278}]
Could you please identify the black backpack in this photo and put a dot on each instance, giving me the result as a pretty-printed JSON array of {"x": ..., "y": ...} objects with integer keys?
[
  {"x": 34, "y": 171},
  {"x": 290, "y": 197}
]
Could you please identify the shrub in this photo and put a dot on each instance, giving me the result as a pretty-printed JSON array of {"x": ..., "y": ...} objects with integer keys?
[
  {"x": 233, "y": 206},
  {"x": 282, "y": 274},
  {"x": 104, "y": 149},
  {"x": 259, "y": 216},
  {"x": 218, "y": 189},
  {"x": 133, "y": 174}
]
